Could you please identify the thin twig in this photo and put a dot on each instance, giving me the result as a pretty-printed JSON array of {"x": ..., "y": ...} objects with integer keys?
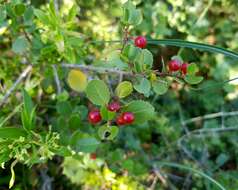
[
  {"x": 96, "y": 69},
  {"x": 13, "y": 87},
  {"x": 160, "y": 177},
  {"x": 210, "y": 116},
  {"x": 57, "y": 81},
  {"x": 113, "y": 71}
]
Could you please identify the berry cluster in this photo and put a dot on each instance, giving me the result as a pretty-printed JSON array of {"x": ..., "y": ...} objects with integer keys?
[
  {"x": 176, "y": 65},
  {"x": 123, "y": 118}
]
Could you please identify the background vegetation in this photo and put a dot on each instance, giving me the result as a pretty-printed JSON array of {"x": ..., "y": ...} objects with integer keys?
[{"x": 190, "y": 144}]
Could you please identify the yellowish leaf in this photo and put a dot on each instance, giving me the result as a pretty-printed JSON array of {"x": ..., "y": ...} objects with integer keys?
[{"x": 77, "y": 80}]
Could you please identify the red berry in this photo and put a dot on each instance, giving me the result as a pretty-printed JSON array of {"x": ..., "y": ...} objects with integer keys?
[
  {"x": 184, "y": 68},
  {"x": 140, "y": 41},
  {"x": 114, "y": 106},
  {"x": 94, "y": 116},
  {"x": 174, "y": 65},
  {"x": 93, "y": 156},
  {"x": 128, "y": 117},
  {"x": 120, "y": 121}
]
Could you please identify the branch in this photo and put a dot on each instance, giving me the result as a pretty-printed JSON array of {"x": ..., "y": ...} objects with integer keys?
[
  {"x": 57, "y": 81},
  {"x": 210, "y": 116},
  {"x": 113, "y": 71},
  {"x": 97, "y": 69},
  {"x": 19, "y": 79}
]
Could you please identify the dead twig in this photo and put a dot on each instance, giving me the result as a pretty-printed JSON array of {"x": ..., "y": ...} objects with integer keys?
[{"x": 16, "y": 83}]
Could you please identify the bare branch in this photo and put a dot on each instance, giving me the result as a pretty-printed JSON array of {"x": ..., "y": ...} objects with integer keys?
[
  {"x": 114, "y": 71},
  {"x": 19, "y": 79},
  {"x": 97, "y": 69},
  {"x": 210, "y": 116},
  {"x": 57, "y": 81}
]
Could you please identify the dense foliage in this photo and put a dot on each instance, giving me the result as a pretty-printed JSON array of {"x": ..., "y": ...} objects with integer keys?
[{"x": 112, "y": 95}]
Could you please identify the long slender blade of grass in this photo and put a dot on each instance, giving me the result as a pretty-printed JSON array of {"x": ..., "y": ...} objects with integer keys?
[
  {"x": 173, "y": 165},
  {"x": 194, "y": 45}
]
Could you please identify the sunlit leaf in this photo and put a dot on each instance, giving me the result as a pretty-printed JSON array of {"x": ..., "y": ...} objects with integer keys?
[{"x": 77, "y": 80}]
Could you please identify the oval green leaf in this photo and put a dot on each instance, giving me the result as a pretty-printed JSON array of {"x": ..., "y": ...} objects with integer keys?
[
  {"x": 142, "y": 110},
  {"x": 124, "y": 89},
  {"x": 98, "y": 92}
]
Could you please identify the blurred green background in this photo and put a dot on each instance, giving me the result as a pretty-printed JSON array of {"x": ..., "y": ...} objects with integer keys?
[{"x": 125, "y": 163}]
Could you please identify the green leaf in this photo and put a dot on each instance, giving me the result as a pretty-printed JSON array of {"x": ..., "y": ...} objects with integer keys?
[
  {"x": 29, "y": 15},
  {"x": 28, "y": 115},
  {"x": 83, "y": 142},
  {"x": 144, "y": 60},
  {"x": 131, "y": 16},
  {"x": 135, "y": 17},
  {"x": 75, "y": 121},
  {"x": 42, "y": 16},
  {"x": 160, "y": 87},
  {"x": 106, "y": 114},
  {"x": 131, "y": 52},
  {"x": 64, "y": 108},
  {"x": 19, "y": 9},
  {"x": 148, "y": 59},
  {"x": 78, "y": 145},
  {"x": 128, "y": 165},
  {"x": 108, "y": 132},
  {"x": 143, "y": 86},
  {"x": 114, "y": 60},
  {"x": 98, "y": 92},
  {"x": 20, "y": 45},
  {"x": 27, "y": 102},
  {"x": 192, "y": 69},
  {"x": 195, "y": 45},
  {"x": 12, "y": 133},
  {"x": 4, "y": 157},
  {"x": 142, "y": 110},
  {"x": 191, "y": 79},
  {"x": 124, "y": 89}
]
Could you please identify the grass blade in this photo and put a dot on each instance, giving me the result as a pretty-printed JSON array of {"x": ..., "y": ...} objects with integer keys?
[
  {"x": 195, "y": 45},
  {"x": 173, "y": 165}
]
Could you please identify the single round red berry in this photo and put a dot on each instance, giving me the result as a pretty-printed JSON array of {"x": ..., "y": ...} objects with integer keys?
[
  {"x": 140, "y": 41},
  {"x": 93, "y": 156},
  {"x": 94, "y": 116},
  {"x": 174, "y": 65},
  {"x": 128, "y": 117},
  {"x": 184, "y": 68},
  {"x": 120, "y": 121},
  {"x": 114, "y": 106}
]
